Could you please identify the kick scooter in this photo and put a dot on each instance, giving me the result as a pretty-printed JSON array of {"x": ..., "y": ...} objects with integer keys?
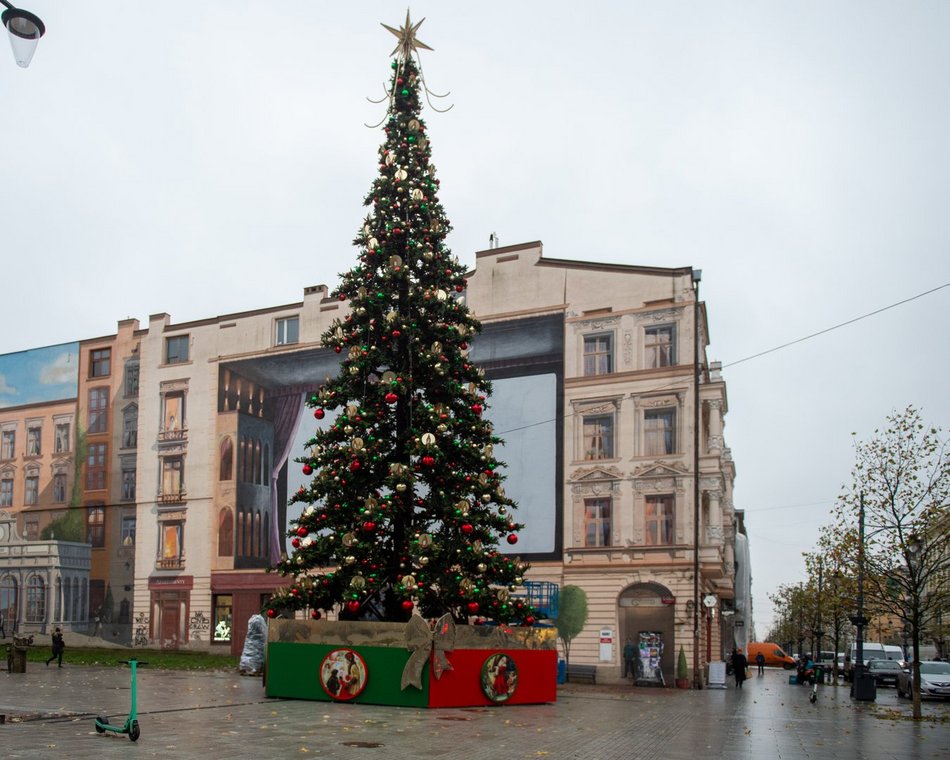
[{"x": 131, "y": 725}]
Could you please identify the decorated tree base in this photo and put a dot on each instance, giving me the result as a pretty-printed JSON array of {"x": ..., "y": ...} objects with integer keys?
[{"x": 411, "y": 664}]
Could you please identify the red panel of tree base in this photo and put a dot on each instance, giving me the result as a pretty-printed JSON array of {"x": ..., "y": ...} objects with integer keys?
[{"x": 482, "y": 677}]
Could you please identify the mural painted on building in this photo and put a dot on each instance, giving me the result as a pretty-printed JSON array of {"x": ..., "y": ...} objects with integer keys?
[{"x": 39, "y": 374}]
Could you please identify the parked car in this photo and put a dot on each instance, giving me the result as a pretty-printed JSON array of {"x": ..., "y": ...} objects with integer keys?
[
  {"x": 840, "y": 661},
  {"x": 934, "y": 680},
  {"x": 885, "y": 672}
]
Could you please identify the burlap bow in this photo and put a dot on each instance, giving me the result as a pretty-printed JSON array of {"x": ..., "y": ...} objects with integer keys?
[{"x": 423, "y": 641}]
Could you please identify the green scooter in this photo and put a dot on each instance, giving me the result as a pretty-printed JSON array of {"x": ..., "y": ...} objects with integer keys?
[{"x": 131, "y": 725}]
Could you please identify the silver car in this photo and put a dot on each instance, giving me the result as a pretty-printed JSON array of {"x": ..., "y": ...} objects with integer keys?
[{"x": 934, "y": 680}]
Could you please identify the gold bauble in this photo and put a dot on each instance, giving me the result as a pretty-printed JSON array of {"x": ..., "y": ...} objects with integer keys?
[
  {"x": 423, "y": 560},
  {"x": 400, "y": 487},
  {"x": 357, "y": 443},
  {"x": 504, "y": 595},
  {"x": 400, "y": 175},
  {"x": 349, "y": 539},
  {"x": 486, "y": 498},
  {"x": 358, "y": 582},
  {"x": 481, "y": 567},
  {"x": 428, "y": 439},
  {"x": 409, "y": 581},
  {"x": 425, "y": 541}
]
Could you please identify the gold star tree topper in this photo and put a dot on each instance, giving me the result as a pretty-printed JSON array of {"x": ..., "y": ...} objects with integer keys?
[{"x": 406, "y": 35}]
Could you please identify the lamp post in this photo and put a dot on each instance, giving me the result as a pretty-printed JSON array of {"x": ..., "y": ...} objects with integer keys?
[
  {"x": 25, "y": 30},
  {"x": 697, "y": 678},
  {"x": 862, "y": 689}
]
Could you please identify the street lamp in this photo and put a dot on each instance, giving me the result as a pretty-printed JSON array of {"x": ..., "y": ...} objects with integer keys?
[
  {"x": 25, "y": 30},
  {"x": 863, "y": 687}
]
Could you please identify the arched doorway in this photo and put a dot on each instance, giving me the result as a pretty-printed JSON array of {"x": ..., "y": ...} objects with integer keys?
[{"x": 646, "y": 619}]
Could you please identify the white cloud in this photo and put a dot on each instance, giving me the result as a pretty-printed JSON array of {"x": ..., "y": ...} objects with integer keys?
[
  {"x": 59, "y": 372},
  {"x": 7, "y": 390}
]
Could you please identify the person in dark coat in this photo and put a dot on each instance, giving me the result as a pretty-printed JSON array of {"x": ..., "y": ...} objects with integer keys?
[
  {"x": 760, "y": 661},
  {"x": 58, "y": 646},
  {"x": 739, "y": 664}
]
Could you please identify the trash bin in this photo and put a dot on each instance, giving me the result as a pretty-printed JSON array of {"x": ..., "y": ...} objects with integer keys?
[
  {"x": 819, "y": 674},
  {"x": 561, "y": 671},
  {"x": 864, "y": 688}
]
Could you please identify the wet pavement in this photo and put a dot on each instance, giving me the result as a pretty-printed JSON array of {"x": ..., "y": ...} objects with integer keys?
[{"x": 50, "y": 713}]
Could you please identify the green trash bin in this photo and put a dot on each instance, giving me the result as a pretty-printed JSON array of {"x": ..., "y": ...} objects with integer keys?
[{"x": 819, "y": 674}]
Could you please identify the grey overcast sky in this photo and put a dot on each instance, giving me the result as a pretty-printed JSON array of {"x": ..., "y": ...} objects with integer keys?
[{"x": 210, "y": 157}]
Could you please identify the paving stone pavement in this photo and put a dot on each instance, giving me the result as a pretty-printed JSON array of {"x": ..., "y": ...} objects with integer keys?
[{"x": 49, "y": 713}]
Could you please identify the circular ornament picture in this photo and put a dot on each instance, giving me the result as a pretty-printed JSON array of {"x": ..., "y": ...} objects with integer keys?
[
  {"x": 499, "y": 678},
  {"x": 343, "y": 674}
]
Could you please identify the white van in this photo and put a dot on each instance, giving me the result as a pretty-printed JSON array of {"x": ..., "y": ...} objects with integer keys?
[
  {"x": 872, "y": 651},
  {"x": 893, "y": 652}
]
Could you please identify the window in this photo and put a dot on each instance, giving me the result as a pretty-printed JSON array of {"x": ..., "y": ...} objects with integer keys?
[
  {"x": 226, "y": 468},
  {"x": 176, "y": 349},
  {"x": 173, "y": 483},
  {"x": 222, "y": 604},
  {"x": 659, "y": 346},
  {"x": 130, "y": 428},
  {"x": 659, "y": 520},
  {"x": 98, "y": 410},
  {"x": 132, "y": 378},
  {"x": 225, "y": 532},
  {"x": 598, "y": 355},
  {"x": 128, "y": 485},
  {"x": 35, "y": 600},
  {"x": 596, "y": 522},
  {"x": 287, "y": 331},
  {"x": 8, "y": 444},
  {"x": 96, "y": 525},
  {"x": 59, "y": 487},
  {"x": 96, "y": 466},
  {"x": 174, "y": 412},
  {"x": 598, "y": 436},
  {"x": 128, "y": 530},
  {"x": 171, "y": 548},
  {"x": 61, "y": 443},
  {"x": 34, "y": 435},
  {"x": 100, "y": 361},
  {"x": 659, "y": 432},
  {"x": 31, "y": 527},
  {"x": 32, "y": 494},
  {"x": 6, "y": 492}
]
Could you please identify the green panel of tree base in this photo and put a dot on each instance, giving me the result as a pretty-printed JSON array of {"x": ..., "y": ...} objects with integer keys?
[{"x": 293, "y": 671}]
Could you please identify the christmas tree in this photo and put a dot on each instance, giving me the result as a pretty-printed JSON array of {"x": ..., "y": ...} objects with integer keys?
[{"x": 406, "y": 505}]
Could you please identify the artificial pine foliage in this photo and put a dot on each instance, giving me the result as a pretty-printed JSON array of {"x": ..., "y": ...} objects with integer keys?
[{"x": 406, "y": 505}]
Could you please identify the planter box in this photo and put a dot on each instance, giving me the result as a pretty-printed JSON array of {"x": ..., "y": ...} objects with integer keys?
[{"x": 372, "y": 663}]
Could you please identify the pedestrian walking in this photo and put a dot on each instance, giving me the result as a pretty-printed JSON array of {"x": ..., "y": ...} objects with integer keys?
[
  {"x": 760, "y": 661},
  {"x": 739, "y": 664},
  {"x": 3, "y": 631},
  {"x": 629, "y": 657},
  {"x": 58, "y": 646}
]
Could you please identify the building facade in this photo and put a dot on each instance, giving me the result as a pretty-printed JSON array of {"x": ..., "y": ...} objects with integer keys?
[{"x": 612, "y": 418}]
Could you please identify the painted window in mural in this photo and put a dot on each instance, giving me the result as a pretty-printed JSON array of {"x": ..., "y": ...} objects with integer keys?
[
  {"x": 35, "y": 600},
  {"x": 225, "y": 532},
  {"x": 6, "y": 491},
  {"x": 128, "y": 530},
  {"x": 131, "y": 380},
  {"x": 176, "y": 349},
  {"x": 96, "y": 525},
  {"x": 59, "y": 488},
  {"x": 34, "y": 439},
  {"x": 96, "y": 467},
  {"x": 173, "y": 480},
  {"x": 31, "y": 495},
  {"x": 171, "y": 549},
  {"x": 61, "y": 441},
  {"x": 100, "y": 362},
  {"x": 8, "y": 444},
  {"x": 598, "y": 354},
  {"x": 98, "y": 410},
  {"x": 226, "y": 469},
  {"x": 128, "y": 482},
  {"x": 598, "y": 436}
]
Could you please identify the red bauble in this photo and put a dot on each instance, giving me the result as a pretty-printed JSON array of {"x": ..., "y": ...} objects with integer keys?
[
  {"x": 354, "y": 465},
  {"x": 353, "y": 607},
  {"x": 459, "y": 288},
  {"x": 428, "y": 460},
  {"x": 296, "y": 543},
  {"x": 477, "y": 408},
  {"x": 407, "y": 604},
  {"x": 338, "y": 349},
  {"x": 396, "y": 333},
  {"x": 307, "y": 469},
  {"x": 529, "y": 620},
  {"x": 369, "y": 526},
  {"x": 513, "y": 538},
  {"x": 302, "y": 531},
  {"x": 316, "y": 614},
  {"x": 319, "y": 414},
  {"x": 472, "y": 608},
  {"x": 271, "y": 614},
  {"x": 391, "y": 398},
  {"x": 467, "y": 529}
]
